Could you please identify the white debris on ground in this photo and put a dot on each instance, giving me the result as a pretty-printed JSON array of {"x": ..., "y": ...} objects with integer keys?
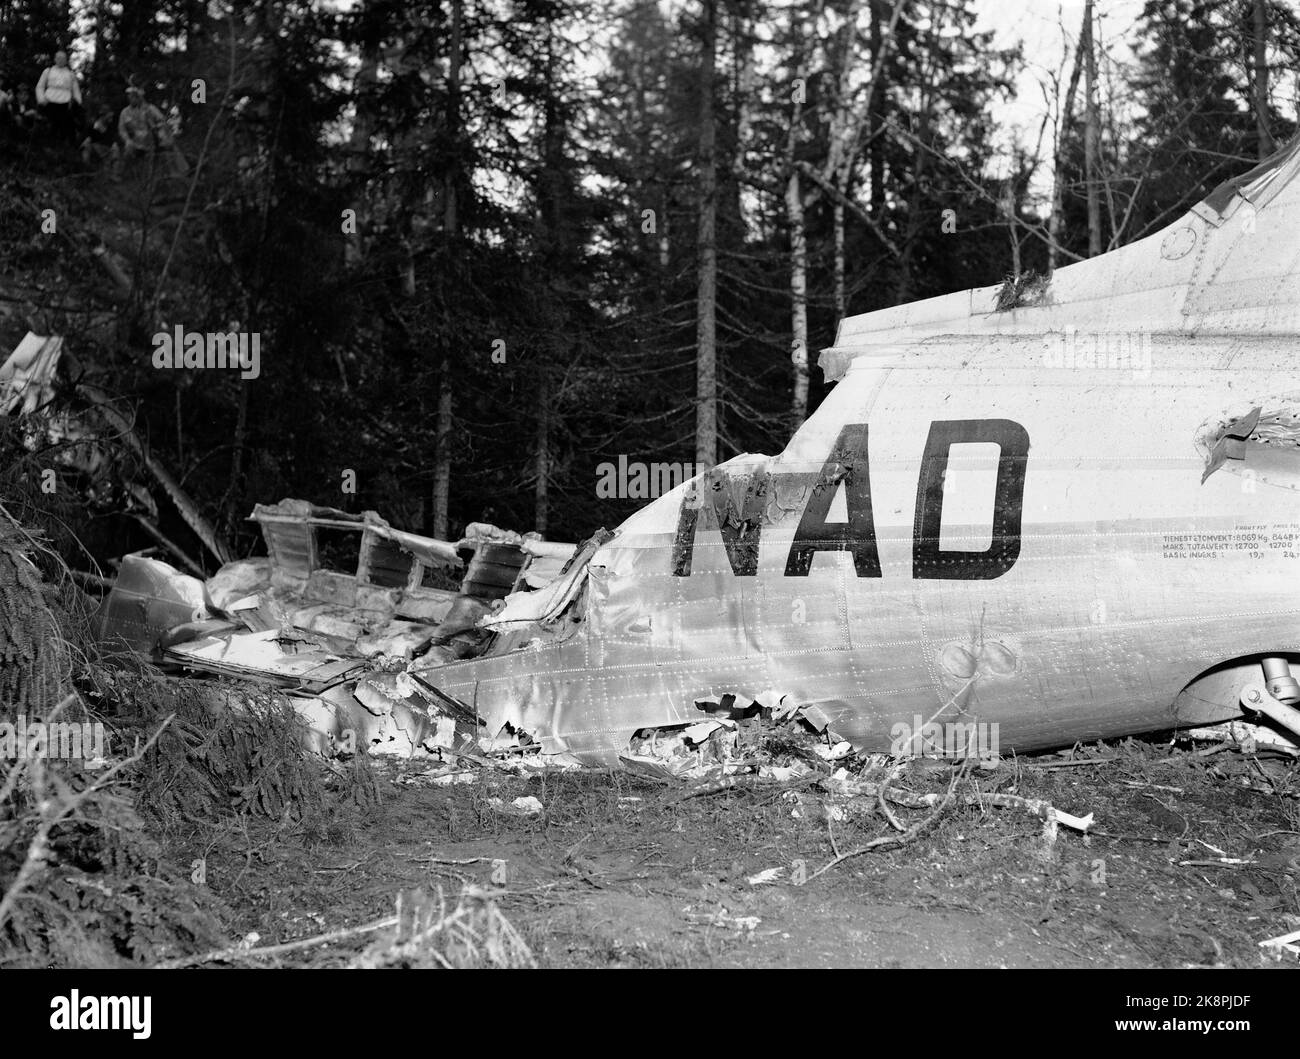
[
  {"x": 768, "y": 737},
  {"x": 525, "y": 806}
]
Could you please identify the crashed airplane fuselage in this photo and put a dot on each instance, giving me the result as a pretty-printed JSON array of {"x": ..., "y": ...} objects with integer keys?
[{"x": 1075, "y": 518}]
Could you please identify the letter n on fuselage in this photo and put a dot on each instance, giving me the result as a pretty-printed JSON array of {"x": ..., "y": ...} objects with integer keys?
[{"x": 740, "y": 530}]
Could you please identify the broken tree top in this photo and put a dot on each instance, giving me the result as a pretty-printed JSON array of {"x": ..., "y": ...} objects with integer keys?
[{"x": 1229, "y": 266}]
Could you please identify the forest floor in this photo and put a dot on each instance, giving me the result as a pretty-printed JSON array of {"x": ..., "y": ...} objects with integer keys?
[{"x": 1192, "y": 860}]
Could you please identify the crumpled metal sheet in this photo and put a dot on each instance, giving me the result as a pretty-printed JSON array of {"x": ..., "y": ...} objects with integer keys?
[
  {"x": 148, "y": 599},
  {"x": 328, "y": 638},
  {"x": 1260, "y": 443},
  {"x": 547, "y": 561}
]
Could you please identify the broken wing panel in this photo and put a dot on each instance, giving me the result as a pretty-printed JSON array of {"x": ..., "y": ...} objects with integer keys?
[
  {"x": 148, "y": 599},
  {"x": 266, "y": 656}
]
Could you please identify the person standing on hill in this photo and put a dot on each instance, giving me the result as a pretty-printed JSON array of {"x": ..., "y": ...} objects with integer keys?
[
  {"x": 57, "y": 92},
  {"x": 143, "y": 129}
]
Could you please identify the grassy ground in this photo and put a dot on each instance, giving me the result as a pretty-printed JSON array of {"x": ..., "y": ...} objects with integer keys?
[{"x": 625, "y": 871}]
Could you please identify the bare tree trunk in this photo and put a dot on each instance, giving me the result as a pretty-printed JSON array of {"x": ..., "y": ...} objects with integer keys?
[
  {"x": 450, "y": 219},
  {"x": 240, "y": 438},
  {"x": 1091, "y": 130},
  {"x": 1261, "y": 79},
  {"x": 743, "y": 82},
  {"x": 443, "y": 428},
  {"x": 552, "y": 189},
  {"x": 541, "y": 489},
  {"x": 798, "y": 244},
  {"x": 96, "y": 65},
  {"x": 706, "y": 357},
  {"x": 840, "y": 160},
  {"x": 875, "y": 115},
  {"x": 442, "y": 462},
  {"x": 837, "y": 222},
  {"x": 1055, "y": 222},
  {"x": 798, "y": 296},
  {"x": 903, "y": 287},
  {"x": 359, "y": 146}
]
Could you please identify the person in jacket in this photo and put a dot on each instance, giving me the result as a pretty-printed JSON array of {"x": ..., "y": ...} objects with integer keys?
[
  {"x": 58, "y": 95},
  {"x": 143, "y": 129}
]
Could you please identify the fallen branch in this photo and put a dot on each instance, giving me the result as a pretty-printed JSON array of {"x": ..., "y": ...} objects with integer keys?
[
  {"x": 730, "y": 782},
  {"x": 724, "y": 784},
  {"x": 883, "y": 802},
  {"x": 241, "y": 952},
  {"x": 171, "y": 546},
  {"x": 462, "y": 861},
  {"x": 911, "y": 834},
  {"x": 1177, "y": 839},
  {"x": 1044, "y": 810},
  {"x": 1226, "y": 863}
]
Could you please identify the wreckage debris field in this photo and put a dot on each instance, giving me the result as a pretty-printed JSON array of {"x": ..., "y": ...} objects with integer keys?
[{"x": 1192, "y": 860}]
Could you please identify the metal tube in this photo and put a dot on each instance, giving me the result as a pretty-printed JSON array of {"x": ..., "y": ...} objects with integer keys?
[{"x": 1279, "y": 681}]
